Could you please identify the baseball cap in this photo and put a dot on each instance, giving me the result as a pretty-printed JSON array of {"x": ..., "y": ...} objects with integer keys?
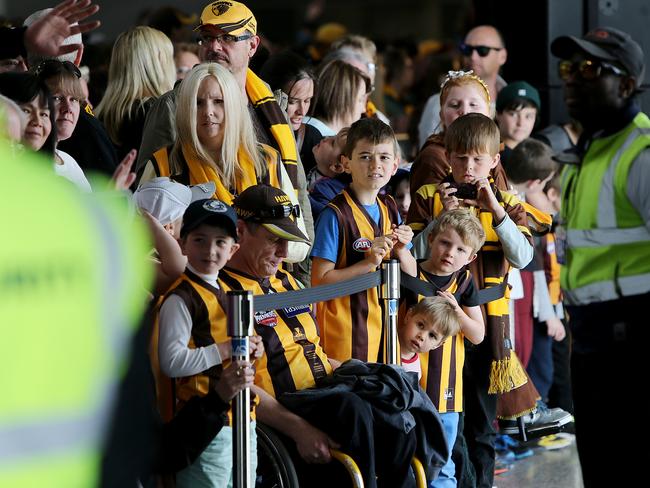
[
  {"x": 166, "y": 200},
  {"x": 517, "y": 89},
  {"x": 607, "y": 44},
  {"x": 217, "y": 212},
  {"x": 232, "y": 17},
  {"x": 271, "y": 208}
]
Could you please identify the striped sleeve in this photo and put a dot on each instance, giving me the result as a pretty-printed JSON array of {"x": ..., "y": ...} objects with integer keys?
[{"x": 421, "y": 209}]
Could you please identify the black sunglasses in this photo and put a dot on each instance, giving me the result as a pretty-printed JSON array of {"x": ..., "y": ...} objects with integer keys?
[
  {"x": 51, "y": 67},
  {"x": 588, "y": 69},
  {"x": 467, "y": 49},
  {"x": 277, "y": 212}
]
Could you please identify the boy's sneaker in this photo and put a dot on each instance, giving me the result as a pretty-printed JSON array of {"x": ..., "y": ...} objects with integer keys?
[{"x": 542, "y": 418}]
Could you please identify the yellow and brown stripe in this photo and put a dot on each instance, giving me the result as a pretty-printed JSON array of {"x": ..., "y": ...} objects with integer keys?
[
  {"x": 351, "y": 326},
  {"x": 293, "y": 359},
  {"x": 442, "y": 368},
  {"x": 275, "y": 122}
]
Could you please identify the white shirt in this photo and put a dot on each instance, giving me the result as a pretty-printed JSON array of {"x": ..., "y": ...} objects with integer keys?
[
  {"x": 71, "y": 171},
  {"x": 176, "y": 358}
]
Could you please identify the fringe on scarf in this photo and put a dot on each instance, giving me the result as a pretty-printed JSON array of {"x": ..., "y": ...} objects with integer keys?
[{"x": 506, "y": 374}]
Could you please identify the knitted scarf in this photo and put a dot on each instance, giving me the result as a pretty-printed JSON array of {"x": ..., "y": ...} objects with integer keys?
[{"x": 271, "y": 115}]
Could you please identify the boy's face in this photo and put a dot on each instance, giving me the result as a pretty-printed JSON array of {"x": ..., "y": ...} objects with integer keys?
[
  {"x": 418, "y": 334},
  {"x": 208, "y": 248},
  {"x": 327, "y": 154},
  {"x": 448, "y": 253},
  {"x": 467, "y": 168},
  {"x": 516, "y": 125},
  {"x": 371, "y": 165}
]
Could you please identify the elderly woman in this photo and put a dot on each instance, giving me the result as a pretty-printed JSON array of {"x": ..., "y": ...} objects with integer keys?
[
  {"x": 141, "y": 69},
  {"x": 216, "y": 142}
]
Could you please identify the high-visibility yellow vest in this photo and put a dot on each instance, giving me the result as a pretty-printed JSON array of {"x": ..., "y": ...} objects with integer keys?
[
  {"x": 607, "y": 241},
  {"x": 72, "y": 277}
]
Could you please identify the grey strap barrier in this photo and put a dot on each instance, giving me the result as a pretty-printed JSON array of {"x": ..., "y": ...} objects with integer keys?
[
  {"x": 322, "y": 293},
  {"x": 425, "y": 288}
]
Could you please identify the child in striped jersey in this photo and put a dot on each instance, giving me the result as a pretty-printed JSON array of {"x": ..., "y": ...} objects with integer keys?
[
  {"x": 354, "y": 233},
  {"x": 454, "y": 240},
  {"x": 426, "y": 326}
]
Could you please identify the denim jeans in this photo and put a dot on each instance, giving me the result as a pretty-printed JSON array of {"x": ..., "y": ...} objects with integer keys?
[
  {"x": 447, "y": 476},
  {"x": 213, "y": 468}
]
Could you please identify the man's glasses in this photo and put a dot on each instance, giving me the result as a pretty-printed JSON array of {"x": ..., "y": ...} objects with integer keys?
[
  {"x": 588, "y": 69},
  {"x": 222, "y": 39},
  {"x": 467, "y": 49}
]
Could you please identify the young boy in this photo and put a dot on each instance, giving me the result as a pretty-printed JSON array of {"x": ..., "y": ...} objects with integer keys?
[
  {"x": 327, "y": 178},
  {"x": 517, "y": 105},
  {"x": 530, "y": 168},
  {"x": 454, "y": 240},
  {"x": 354, "y": 234},
  {"x": 194, "y": 345},
  {"x": 472, "y": 146},
  {"x": 425, "y": 327}
]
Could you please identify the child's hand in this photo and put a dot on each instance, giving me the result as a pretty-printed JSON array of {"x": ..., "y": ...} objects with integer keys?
[
  {"x": 380, "y": 247},
  {"x": 448, "y": 296},
  {"x": 401, "y": 236},
  {"x": 555, "y": 329},
  {"x": 255, "y": 347},
  {"x": 237, "y": 376},
  {"x": 487, "y": 200},
  {"x": 447, "y": 198}
]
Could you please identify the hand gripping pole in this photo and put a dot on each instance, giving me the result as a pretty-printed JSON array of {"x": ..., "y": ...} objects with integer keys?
[
  {"x": 240, "y": 327},
  {"x": 389, "y": 293}
]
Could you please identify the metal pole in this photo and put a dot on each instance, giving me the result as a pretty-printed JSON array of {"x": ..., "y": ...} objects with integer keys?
[
  {"x": 390, "y": 294},
  {"x": 240, "y": 327}
]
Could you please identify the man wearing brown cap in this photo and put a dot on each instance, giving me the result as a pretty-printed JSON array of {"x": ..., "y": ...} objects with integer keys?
[
  {"x": 295, "y": 360},
  {"x": 227, "y": 34},
  {"x": 606, "y": 250}
]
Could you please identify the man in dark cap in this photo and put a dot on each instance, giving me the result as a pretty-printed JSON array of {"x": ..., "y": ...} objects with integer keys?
[{"x": 606, "y": 248}]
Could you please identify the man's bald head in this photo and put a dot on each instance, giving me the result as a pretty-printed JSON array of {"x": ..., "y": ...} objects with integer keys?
[{"x": 486, "y": 67}]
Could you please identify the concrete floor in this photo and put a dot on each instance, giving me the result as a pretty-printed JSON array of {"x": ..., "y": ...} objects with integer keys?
[{"x": 545, "y": 469}]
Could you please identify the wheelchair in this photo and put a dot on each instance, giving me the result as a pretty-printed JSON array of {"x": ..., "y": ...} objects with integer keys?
[{"x": 275, "y": 468}]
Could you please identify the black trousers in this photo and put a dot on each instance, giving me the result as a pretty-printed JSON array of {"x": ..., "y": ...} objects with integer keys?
[
  {"x": 609, "y": 369},
  {"x": 382, "y": 452},
  {"x": 475, "y": 467}
]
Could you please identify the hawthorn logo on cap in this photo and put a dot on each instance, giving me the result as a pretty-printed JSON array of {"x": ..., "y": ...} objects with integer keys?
[
  {"x": 603, "y": 34},
  {"x": 220, "y": 8},
  {"x": 215, "y": 206}
]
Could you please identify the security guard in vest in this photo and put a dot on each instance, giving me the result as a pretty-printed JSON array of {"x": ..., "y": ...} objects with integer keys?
[
  {"x": 606, "y": 250},
  {"x": 72, "y": 279}
]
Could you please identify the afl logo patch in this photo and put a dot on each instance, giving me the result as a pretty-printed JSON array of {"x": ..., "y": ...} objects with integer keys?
[{"x": 362, "y": 244}]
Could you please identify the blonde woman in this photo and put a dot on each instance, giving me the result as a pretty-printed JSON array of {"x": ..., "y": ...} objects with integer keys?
[
  {"x": 142, "y": 68},
  {"x": 216, "y": 142}
]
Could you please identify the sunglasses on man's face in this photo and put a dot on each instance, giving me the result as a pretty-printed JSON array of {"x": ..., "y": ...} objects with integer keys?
[
  {"x": 588, "y": 69},
  {"x": 467, "y": 49}
]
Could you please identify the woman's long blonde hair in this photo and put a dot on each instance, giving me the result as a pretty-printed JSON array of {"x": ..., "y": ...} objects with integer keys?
[
  {"x": 142, "y": 67},
  {"x": 238, "y": 126}
]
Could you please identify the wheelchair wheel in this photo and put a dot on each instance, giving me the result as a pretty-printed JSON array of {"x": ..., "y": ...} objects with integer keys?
[{"x": 275, "y": 468}]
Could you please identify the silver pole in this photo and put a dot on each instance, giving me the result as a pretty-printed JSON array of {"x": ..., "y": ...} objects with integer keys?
[
  {"x": 390, "y": 294},
  {"x": 240, "y": 327}
]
